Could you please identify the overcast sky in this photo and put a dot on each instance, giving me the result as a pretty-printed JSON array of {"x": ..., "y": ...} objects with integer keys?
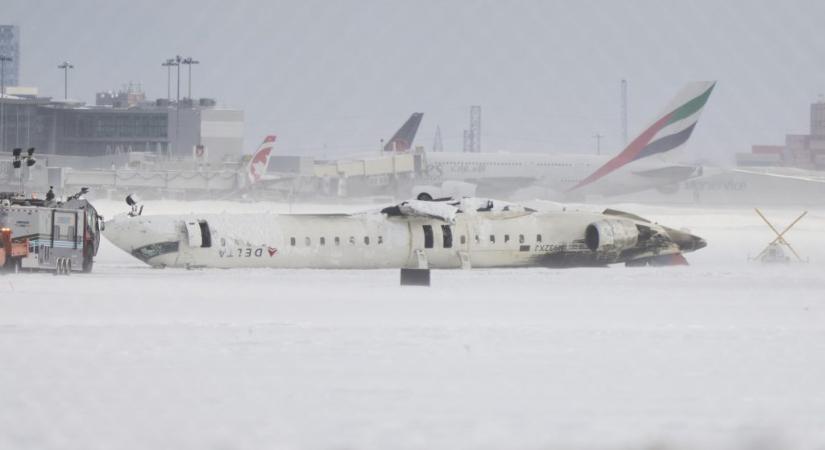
[{"x": 331, "y": 77}]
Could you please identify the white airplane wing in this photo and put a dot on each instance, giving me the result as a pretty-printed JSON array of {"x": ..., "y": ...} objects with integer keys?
[{"x": 798, "y": 174}]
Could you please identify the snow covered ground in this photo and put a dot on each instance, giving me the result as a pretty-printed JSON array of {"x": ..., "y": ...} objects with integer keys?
[{"x": 720, "y": 354}]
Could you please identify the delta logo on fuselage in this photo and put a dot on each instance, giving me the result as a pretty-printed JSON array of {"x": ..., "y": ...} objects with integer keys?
[{"x": 247, "y": 252}]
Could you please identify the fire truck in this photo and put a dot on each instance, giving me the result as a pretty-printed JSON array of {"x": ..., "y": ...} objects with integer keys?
[{"x": 48, "y": 235}]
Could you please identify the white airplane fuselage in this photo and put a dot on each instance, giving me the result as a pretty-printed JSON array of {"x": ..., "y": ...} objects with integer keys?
[
  {"x": 557, "y": 172},
  {"x": 642, "y": 164},
  {"x": 512, "y": 238}
]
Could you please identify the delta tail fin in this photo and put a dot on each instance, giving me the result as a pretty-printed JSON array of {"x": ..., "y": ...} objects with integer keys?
[
  {"x": 256, "y": 167},
  {"x": 402, "y": 140},
  {"x": 670, "y": 131}
]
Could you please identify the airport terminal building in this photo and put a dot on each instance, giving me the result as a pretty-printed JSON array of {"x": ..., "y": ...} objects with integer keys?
[
  {"x": 803, "y": 151},
  {"x": 120, "y": 123}
]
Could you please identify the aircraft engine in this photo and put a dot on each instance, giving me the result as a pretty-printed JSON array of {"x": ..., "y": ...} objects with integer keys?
[{"x": 611, "y": 235}]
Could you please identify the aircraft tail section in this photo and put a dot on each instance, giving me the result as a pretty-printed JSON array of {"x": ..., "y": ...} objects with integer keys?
[
  {"x": 670, "y": 131},
  {"x": 260, "y": 160},
  {"x": 402, "y": 140}
]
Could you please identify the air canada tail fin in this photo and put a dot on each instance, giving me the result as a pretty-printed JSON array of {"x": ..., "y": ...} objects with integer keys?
[
  {"x": 402, "y": 140},
  {"x": 260, "y": 160},
  {"x": 669, "y": 131}
]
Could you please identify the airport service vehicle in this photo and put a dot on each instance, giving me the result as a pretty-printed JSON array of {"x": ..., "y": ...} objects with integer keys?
[
  {"x": 48, "y": 235},
  {"x": 648, "y": 162},
  {"x": 414, "y": 236}
]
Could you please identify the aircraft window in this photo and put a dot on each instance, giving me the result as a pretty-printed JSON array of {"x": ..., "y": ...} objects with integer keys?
[
  {"x": 352, "y": 240},
  {"x": 380, "y": 240},
  {"x": 292, "y": 241},
  {"x": 428, "y": 236},
  {"x": 492, "y": 238},
  {"x": 366, "y": 240},
  {"x": 337, "y": 240},
  {"x": 463, "y": 239},
  {"x": 506, "y": 238},
  {"x": 447, "y": 234},
  {"x": 538, "y": 238},
  {"x": 521, "y": 239},
  {"x": 307, "y": 241},
  {"x": 206, "y": 235},
  {"x": 322, "y": 240}
]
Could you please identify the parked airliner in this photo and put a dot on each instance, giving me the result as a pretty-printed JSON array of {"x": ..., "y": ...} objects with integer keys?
[{"x": 649, "y": 161}]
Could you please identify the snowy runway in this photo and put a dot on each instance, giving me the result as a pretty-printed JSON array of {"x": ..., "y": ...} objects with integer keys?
[{"x": 721, "y": 354}]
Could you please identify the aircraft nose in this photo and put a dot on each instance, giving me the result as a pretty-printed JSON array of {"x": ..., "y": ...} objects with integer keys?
[
  {"x": 150, "y": 239},
  {"x": 130, "y": 233}
]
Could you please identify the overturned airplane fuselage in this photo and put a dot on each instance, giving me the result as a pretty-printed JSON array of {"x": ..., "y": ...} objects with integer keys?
[{"x": 417, "y": 235}]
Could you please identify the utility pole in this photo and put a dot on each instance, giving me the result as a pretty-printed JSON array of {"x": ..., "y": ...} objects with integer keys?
[
  {"x": 624, "y": 111},
  {"x": 189, "y": 62},
  {"x": 598, "y": 138},
  {"x": 66, "y": 66},
  {"x": 3, "y": 60},
  {"x": 168, "y": 64}
]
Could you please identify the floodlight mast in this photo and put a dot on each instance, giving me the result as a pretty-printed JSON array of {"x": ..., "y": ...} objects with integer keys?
[
  {"x": 3, "y": 59},
  {"x": 17, "y": 164},
  {"x": 178, "y": 61},
  {"x": 169, "y": 63},
  {"x": 66, "y": 65},
  {"x": 598, "y": 136},
  {"x": 189, "y": 61}
]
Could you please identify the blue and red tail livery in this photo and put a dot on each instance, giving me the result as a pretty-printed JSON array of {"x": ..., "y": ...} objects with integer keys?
[{"x": 402, "y": 140}]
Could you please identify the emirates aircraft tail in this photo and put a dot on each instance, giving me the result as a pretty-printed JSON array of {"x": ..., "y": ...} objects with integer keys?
[
  {"x": 256, "y": 167},
  {"x": 669, "y": 131}
]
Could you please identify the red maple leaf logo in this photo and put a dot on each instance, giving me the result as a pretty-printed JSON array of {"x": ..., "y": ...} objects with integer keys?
[{"x": 272, "y": 251}]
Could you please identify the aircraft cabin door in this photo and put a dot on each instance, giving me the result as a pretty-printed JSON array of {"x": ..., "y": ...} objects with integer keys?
[
  {"x": 193, "y": 233},
  {"x": 198, "y": 233},
  {"x": 439, "y": 242}
]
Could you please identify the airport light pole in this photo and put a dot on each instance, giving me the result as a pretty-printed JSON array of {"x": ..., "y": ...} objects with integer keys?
[
  {"x": 66, "y": 66},
  {"x": 168, "y": 64},
  {"x": 624, "y": 111},
  {"x": 598, "y": 143},
  {"x": 189, "y": 61},
  {"x": 178, "y": 60},
  {"x": 3, "y": 60}
]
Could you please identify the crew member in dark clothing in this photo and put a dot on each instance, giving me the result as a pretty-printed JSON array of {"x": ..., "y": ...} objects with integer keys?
[{"x": 50, "y": 194}]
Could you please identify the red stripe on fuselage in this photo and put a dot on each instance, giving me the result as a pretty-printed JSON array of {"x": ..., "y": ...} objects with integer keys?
[{"x": 629, "y": 154}]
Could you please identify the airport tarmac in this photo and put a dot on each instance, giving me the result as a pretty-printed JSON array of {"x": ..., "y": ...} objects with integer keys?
[{"x": 720, "y": 354}]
